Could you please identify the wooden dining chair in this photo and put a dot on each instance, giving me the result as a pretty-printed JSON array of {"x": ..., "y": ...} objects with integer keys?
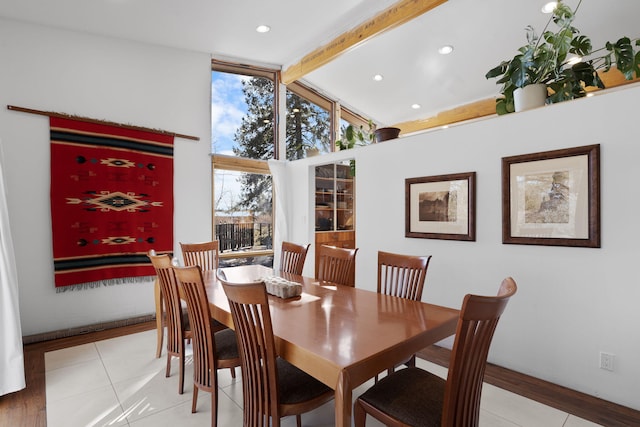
[
  {"x": 402, "y": 276},
  {"x": 211, "y": 350},
  {"x": 272, "y": 388},
  {"x": 292, "y": 257},
  {"x": 205, "y": 254},
  {"x": 177, "y": 324},
  {"x": 415, "y": 397},
  {"x": 337, "y": 265}
]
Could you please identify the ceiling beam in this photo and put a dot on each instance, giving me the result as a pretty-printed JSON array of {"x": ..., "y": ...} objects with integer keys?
[
  {"x": 474, "y": 110},
  {"x": 394, "y": 16},
  {"x": 487, "y": 107}
]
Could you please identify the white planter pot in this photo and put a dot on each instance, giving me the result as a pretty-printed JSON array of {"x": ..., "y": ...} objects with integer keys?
[{"x": 529, "y": 97}]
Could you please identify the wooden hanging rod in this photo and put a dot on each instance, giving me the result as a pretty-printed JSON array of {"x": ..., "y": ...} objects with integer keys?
[{"x": 103, "y": 122}]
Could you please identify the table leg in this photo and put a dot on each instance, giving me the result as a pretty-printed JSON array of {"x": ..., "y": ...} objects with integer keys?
[
  {"x": 159, "y": 317},
  {"x": 343, "y": 400}
]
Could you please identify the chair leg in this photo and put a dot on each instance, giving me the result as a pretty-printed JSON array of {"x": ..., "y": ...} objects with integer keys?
[
  {"x": 194, "y": 400},
  {"x": 233, "y": 372},
  {"x": 168, "y": 370},
  {"x": 159, "y": 316},
  {"x": 181, "y": 379},
  {"x": 359, "y": 415},
  {"x": 214, "y": 408},
  {"x": 298, "y": 420}
]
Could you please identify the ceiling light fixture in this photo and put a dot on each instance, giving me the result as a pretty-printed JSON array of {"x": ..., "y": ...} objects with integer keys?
[
  {"x": 549, "y": 7},
  {"x": 445, "y": 50},
  {"x": 416, "y": 106},
  {"x": 378, "y": 77},
  {"x": 263, "y": 28}
]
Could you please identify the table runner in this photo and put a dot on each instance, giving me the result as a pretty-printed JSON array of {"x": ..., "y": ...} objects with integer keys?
[{"x": 111, "y": 202}]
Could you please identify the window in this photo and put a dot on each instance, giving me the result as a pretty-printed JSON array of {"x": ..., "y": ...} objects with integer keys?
[
  {"x": 243, "y": 210},
  {"x": 308, "y": 123},
  {"x": 243, "y": 102},
  {"x": 244, "y": 133}
]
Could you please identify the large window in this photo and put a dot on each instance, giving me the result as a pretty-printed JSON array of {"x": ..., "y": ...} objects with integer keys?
[
  {"x": 243, "y": 101},
  {"x": 244, "y": 135}
]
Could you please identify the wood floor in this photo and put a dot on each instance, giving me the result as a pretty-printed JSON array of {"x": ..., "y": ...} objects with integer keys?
[{"x": 28, "y": 407}]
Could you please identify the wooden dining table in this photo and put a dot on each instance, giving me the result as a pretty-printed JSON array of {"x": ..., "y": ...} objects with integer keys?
[{"x": 341, "y": 335}]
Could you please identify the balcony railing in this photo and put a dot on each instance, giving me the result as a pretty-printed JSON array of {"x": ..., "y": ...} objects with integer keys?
[{"x": 244, "y": 236}]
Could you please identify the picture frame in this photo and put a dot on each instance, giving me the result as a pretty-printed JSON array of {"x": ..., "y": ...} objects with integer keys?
[
  {"x": 552, "y": 198},
  {"x": 441, "y": 207}
]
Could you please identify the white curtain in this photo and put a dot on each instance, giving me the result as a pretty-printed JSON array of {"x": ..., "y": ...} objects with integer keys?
[
  {"x": 278, "y": 174},
  {"x": 11, "y": 356}
]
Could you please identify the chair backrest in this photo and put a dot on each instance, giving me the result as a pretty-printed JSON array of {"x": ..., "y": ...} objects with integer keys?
[
  {"x": 250, "y": 310},
  {"x": 479, "y": 317},
  {"x": 169, "y": 288},
  {"x": 337, "y": 265},
  {"x": 402, "y": 275},
  {"x": 203, "y": 254},
  {"x": 192, "y": 285},
  {"x": 292, "y": 257}
]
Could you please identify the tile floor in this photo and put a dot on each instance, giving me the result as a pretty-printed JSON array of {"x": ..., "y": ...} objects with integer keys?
[{"x": 119, "y": 382}]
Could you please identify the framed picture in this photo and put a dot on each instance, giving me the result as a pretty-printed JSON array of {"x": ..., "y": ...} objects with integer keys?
[
  {"x": 552, "y": 198},
  {"x": 441, "y": 207}
]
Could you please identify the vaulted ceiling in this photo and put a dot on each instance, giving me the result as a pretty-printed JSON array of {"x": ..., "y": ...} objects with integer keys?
[{"x": 337, "y": 46}]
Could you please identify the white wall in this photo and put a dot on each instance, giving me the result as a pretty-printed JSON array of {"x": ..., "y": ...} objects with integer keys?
[
  {"x": 107, "y": 79},
  {"x": 572, "y": 303}
]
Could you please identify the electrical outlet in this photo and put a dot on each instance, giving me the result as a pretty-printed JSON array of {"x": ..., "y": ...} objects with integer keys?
[{"x": 606, "y": 361}]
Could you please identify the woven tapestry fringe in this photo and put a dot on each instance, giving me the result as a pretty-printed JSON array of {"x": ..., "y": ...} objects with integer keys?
[{"x": 111, "y": 282}]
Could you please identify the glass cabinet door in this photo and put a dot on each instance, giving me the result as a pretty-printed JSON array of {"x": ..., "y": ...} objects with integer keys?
[{"x": 334, "y": 197}]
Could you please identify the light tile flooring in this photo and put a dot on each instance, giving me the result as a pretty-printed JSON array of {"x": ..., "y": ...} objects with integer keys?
[{"x": 119, "y": 382}]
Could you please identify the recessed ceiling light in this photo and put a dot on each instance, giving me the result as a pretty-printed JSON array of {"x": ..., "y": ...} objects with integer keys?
[
  {"x": 549, "y": 7},
  {"x": 378, "y": 77},
  {"x": 416, "y": 106},
  {"x": 263, "y": 28},
  {"x": 445, "y": 50}
]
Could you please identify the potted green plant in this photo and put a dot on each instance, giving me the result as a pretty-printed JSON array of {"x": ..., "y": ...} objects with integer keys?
[
  {"x": 563, "y": 61},
  {"x": 352, "y": 137}
]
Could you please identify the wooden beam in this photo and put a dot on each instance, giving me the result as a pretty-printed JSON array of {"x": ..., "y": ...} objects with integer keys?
[
  {"x": 487, "y": 107},
  {"x": 474, "y": 110},
  {"x": 394, "y": 16},
  {"x": 614, "y": 78}
]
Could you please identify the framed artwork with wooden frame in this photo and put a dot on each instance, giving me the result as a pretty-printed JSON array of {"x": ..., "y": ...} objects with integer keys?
[
  {"x": 441, "y": 207},
  {"x": 552, "y": 198}
]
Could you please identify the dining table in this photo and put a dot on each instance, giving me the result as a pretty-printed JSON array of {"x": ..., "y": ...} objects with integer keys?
[{"x": 341, "y": 335}]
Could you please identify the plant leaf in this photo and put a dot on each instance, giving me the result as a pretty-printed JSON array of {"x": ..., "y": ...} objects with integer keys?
[{"x": 581, "y": 45}]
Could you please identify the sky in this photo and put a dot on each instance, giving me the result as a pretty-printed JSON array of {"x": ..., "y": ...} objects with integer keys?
[{"x": 227, "y": 109}]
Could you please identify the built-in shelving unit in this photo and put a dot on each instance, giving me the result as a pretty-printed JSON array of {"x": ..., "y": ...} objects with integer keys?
[{"x": 335, "y": 205}]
